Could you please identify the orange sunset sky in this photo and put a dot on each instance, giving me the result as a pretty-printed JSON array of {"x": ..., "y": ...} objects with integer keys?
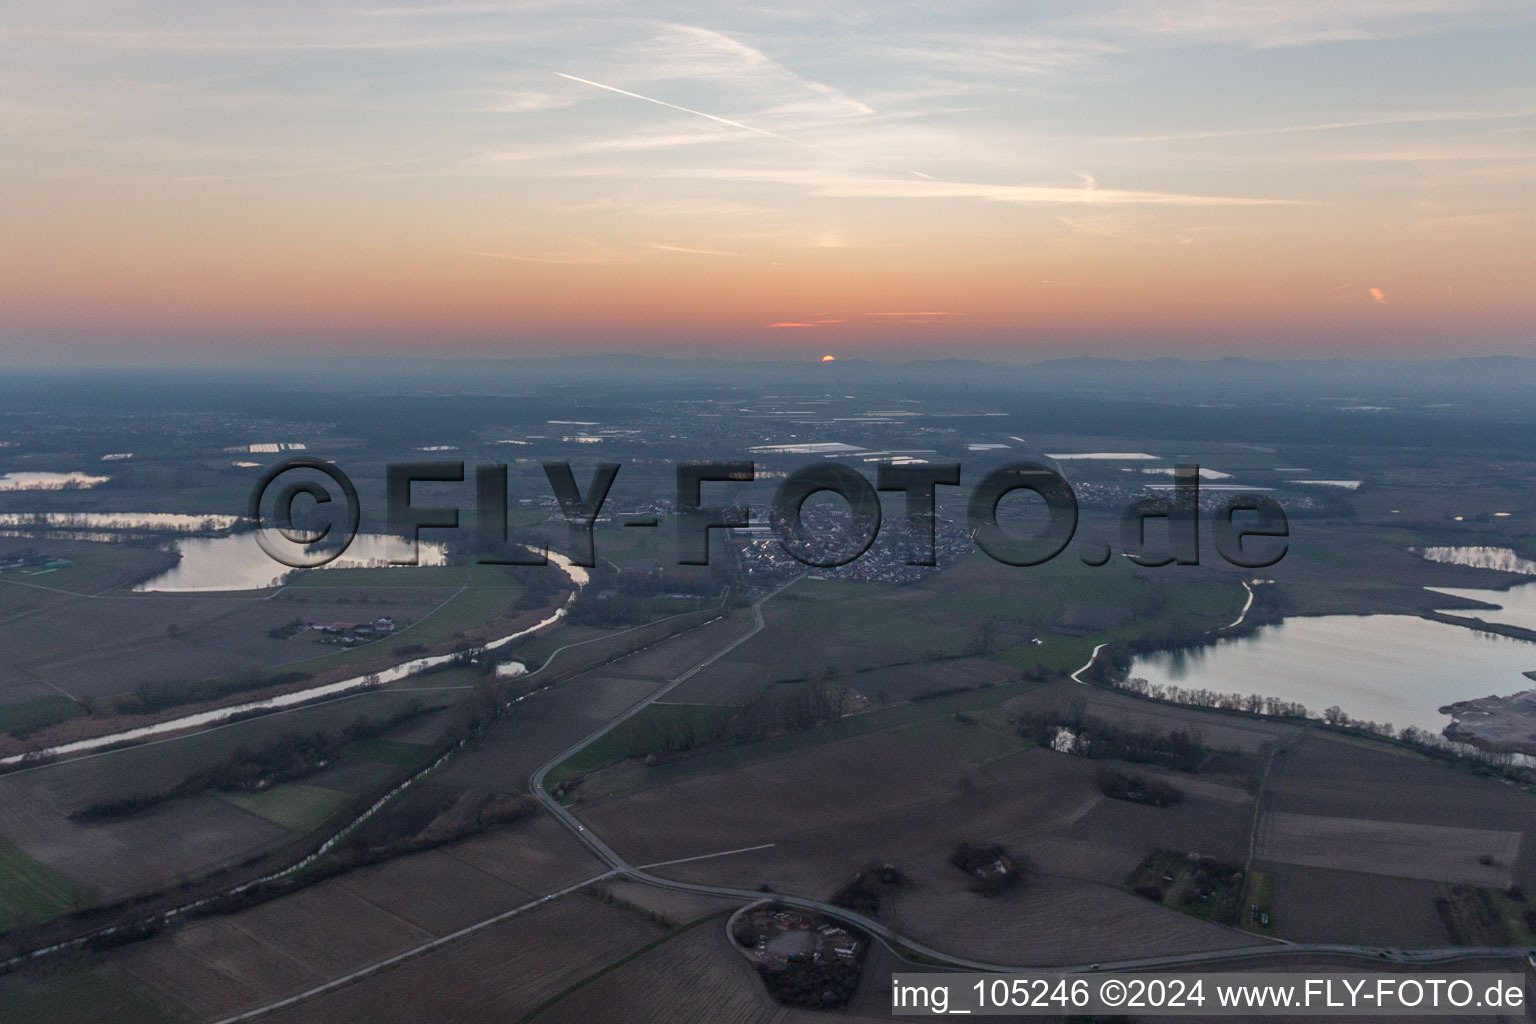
[{"x": 1009, "y": 181}]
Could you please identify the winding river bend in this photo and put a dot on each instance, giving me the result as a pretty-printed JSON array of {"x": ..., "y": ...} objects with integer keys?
[{"x": 577, "y": 575}]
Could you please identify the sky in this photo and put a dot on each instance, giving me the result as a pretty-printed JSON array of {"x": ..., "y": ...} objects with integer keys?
[{"x": 1012, "y": 181}]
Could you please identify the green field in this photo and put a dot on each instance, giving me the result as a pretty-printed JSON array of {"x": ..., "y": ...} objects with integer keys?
[
  {"x": 31, "y": 892},
  {"x": 95, "y": 566},
  {"x": 295, "y": 807},
  {"x": 988, "y": 741},
  {"x": 382, "y": 751},
  {"x": 1063, "y": 654},
  {"x": 458, "y": 618},
  {"x": 156, "y": 767},
  {"x": 85, "y": 995},
  {"x": 866, "y": 614},
  {"x": 34, "y": 714},
  {"x": 641, "y": 732}
]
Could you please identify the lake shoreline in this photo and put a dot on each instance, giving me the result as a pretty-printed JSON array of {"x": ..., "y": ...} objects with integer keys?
[{"x": 1499, "y": 725}]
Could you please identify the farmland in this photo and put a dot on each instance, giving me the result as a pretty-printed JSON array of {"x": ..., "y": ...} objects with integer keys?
[
  {"x": 912, "y": 738},
  {"x": 84, "y": 619},
  {"x": 694, "y": 977},
  {"x": 85, "y": 996},
  {"x": 196, "y": 834},
  {"x": 887, "y": 784},
  {"x": 296, "y": 808},
  {"x": 553, "y": 948},
  {"x": 30, "y": 892},
  {"x": 222, "y": 964}
]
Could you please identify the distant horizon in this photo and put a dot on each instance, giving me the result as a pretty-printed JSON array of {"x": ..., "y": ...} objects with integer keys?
[{"x": 448, "y": 361}]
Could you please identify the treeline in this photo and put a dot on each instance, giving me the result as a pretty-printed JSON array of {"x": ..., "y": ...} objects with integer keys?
[
  {"x": 991, "y": 866},
  {"x": 1199, "y": 697},
  {"x": 647, "y": 736},
  {"x": 818, "y": 986},
  {"x": 151, "y": 697},
  {"x": 429, "y": 818},
  {"x": 40, "y": 715},
  {"x": 287, "y": 630},
  {"x": 864, "y": 891},
  {"x": 1472, "y": 917},
  {"x": 627, "y": 599},
  {"x": 617, "y": 610},
  {"x": 781, "y": 708},
  {"x": 795, "y": 707},
  {"x": 357, "y": 851},
  {"x": 1179, "y": 632},
  {"x": 288, "y": 757},
  {"x": 1071, "y": 730},
  {"x": 1503, "y": 763},
  {"x": 1137, "y": 789}
]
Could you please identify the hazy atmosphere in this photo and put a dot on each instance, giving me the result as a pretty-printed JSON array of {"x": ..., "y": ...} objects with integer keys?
[
  {"x": 543, "y": 512},
  {"x": 999, "y": 180}
]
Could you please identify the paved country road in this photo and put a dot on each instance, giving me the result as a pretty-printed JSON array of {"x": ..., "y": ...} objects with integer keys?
[
  {"x": 619, "y": 866},
  {"x": 903, "y": 946}
]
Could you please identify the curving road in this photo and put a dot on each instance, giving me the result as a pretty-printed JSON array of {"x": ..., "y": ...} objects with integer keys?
[
  {"x": 901, "y": 945},
  {"x": 619, "y": 866}
]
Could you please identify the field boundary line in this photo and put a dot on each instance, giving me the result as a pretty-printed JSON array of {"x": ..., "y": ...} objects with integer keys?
[
  {"x": 707, "y": 856},
  {"x": 180, "y": 910},
  {"x": 576, "y": 986},
  {"x": 413, "y": 952}
]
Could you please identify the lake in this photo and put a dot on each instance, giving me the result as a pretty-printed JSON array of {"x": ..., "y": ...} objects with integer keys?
[
  {"x": 1502, "y": 559},
  {"x": 1517, "y": 605},
  {"x": 577, "y": 575},
  {"x": 1385, "y": 668},
  {"x": 47, "y": 481},
  {"x": 168, "y": 522},
  {"x": 236, "y": 562}
]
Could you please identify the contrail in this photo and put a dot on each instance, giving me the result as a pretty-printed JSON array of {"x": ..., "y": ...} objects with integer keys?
[
  {"x": 728, "y": 122},
  {"x": 697, "y": 113}
]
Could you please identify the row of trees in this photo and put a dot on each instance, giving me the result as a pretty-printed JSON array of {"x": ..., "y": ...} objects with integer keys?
[
  {"x": 1184, "y": 750},
  {"x": 1138, "y": 789},
  {"x": 1200, "y": 697},
  {"x": 290, "y": 756},
  {"x": 150, "y": 697},
  {"x": 1431, "y": 743},
  {"x": 779, "y": 709}
]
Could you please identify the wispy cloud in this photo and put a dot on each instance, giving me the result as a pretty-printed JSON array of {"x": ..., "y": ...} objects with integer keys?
[
  {"x": 639, "y": 142},
  {"x": 696, "y": 113},
  {"x": 1265, "y": 24},
  {"x": 696, "y": 252},
  {"x": 849, "y": 186},
  {"x": 728, "y": 122},
  {"x": 696, "y": 53},
  {"x": 572, "y": 259},
  {"x": 1383, "y": 120},
  {"x": 1128, "y": 225}
]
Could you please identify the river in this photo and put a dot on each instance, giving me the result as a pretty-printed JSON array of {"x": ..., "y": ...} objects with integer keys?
[{"x": 577, "y": 575}]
